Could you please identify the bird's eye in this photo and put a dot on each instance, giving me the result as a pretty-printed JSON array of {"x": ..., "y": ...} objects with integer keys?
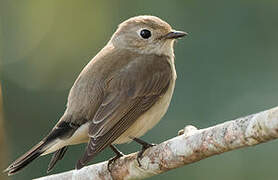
[{"x": 145, "y": 34}]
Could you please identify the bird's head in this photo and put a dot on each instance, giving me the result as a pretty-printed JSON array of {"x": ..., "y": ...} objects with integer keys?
[{"x": 146, "y": 34}]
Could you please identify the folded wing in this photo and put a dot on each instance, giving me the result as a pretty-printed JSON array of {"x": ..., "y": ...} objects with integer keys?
[{"x": 128, "y": 94}]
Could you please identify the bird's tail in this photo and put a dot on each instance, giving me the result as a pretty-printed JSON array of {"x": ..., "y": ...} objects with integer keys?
[
  {"x": 28, "y": 157},
  {"x": 51, "y": 143}
]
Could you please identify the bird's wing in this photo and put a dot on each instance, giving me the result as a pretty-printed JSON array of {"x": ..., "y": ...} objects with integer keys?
[{"x": 128, "y": 94}]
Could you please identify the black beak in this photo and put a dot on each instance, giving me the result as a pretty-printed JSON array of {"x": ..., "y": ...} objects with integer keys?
[{"x": 175, "y": 35}]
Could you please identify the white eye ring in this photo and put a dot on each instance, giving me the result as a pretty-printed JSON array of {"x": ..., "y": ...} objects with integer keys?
[{"x": 144, "y": 33}]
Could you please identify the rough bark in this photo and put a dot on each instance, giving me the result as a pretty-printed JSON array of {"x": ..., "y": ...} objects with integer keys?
[{"x": 189, "y": 146}]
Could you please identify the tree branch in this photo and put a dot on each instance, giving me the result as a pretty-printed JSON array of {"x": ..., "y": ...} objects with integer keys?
[{"x": 190, "y": 146}]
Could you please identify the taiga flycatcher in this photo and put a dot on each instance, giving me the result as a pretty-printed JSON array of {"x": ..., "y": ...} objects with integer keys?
[{"x": 121, "y": 94}]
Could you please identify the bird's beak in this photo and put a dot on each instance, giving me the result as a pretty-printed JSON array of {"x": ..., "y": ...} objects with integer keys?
[{"x": 175, "y": 34}]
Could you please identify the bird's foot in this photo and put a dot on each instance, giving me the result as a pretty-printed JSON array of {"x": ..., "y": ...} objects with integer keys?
[
  {"x": 118, "y": 153},
  {"x": 145, "y": 146}
]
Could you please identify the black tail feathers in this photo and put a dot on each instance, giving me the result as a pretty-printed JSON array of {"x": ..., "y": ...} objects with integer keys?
[
  {"x": 58, "y": 155},
  {"x": 62, "y": 130},
  {"x": 27, "y": 158}
]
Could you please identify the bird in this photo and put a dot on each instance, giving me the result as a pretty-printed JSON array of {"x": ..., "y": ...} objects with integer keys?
[{"x": 122, "y": 93}]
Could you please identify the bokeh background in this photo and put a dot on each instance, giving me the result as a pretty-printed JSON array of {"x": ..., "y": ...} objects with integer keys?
[{"x": 227, "y": 67}]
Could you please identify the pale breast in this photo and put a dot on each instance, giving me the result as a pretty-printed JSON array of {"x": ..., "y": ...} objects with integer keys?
[
  {"x": 144, "y": 123},
  {"x": 150, "y": 118}
]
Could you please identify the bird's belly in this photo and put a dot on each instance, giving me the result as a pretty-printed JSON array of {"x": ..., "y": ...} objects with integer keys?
[
  {"x": 149, "y": 119},
  {"x": 144, "y": 123}
]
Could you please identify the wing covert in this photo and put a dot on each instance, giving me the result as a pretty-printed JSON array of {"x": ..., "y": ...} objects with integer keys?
[{"x": 128, "y": 94}]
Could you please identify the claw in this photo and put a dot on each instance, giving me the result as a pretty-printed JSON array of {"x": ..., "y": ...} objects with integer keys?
[
  {"x": 118, "y": 153},
  {"x": 145, "y": 146}
]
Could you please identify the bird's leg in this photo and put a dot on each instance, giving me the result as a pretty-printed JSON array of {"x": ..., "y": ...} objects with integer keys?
[
  {"x": 145, "y": 145},
  {"x": 118, "y": 155}
]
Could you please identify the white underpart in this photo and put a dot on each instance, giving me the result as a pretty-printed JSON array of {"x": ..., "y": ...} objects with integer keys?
[
  {"x": 79, "y": 136},
  {"x": 144, "y": 123},
  {"x": 150, "y": 118}
]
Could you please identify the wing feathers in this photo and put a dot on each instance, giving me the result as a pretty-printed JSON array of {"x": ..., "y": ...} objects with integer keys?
[{"x": 129, "y": 94}]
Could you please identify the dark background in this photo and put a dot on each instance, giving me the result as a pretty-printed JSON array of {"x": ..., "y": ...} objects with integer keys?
[{"x": 227, "y": 67}]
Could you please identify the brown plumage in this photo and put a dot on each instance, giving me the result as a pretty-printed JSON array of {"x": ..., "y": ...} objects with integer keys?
[
  {"x": 122, "y": 93},
  {"x": 124, "y": 100}
]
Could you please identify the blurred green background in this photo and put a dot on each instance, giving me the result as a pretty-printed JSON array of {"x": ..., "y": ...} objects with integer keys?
[{"x": 227, "y": 67}]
